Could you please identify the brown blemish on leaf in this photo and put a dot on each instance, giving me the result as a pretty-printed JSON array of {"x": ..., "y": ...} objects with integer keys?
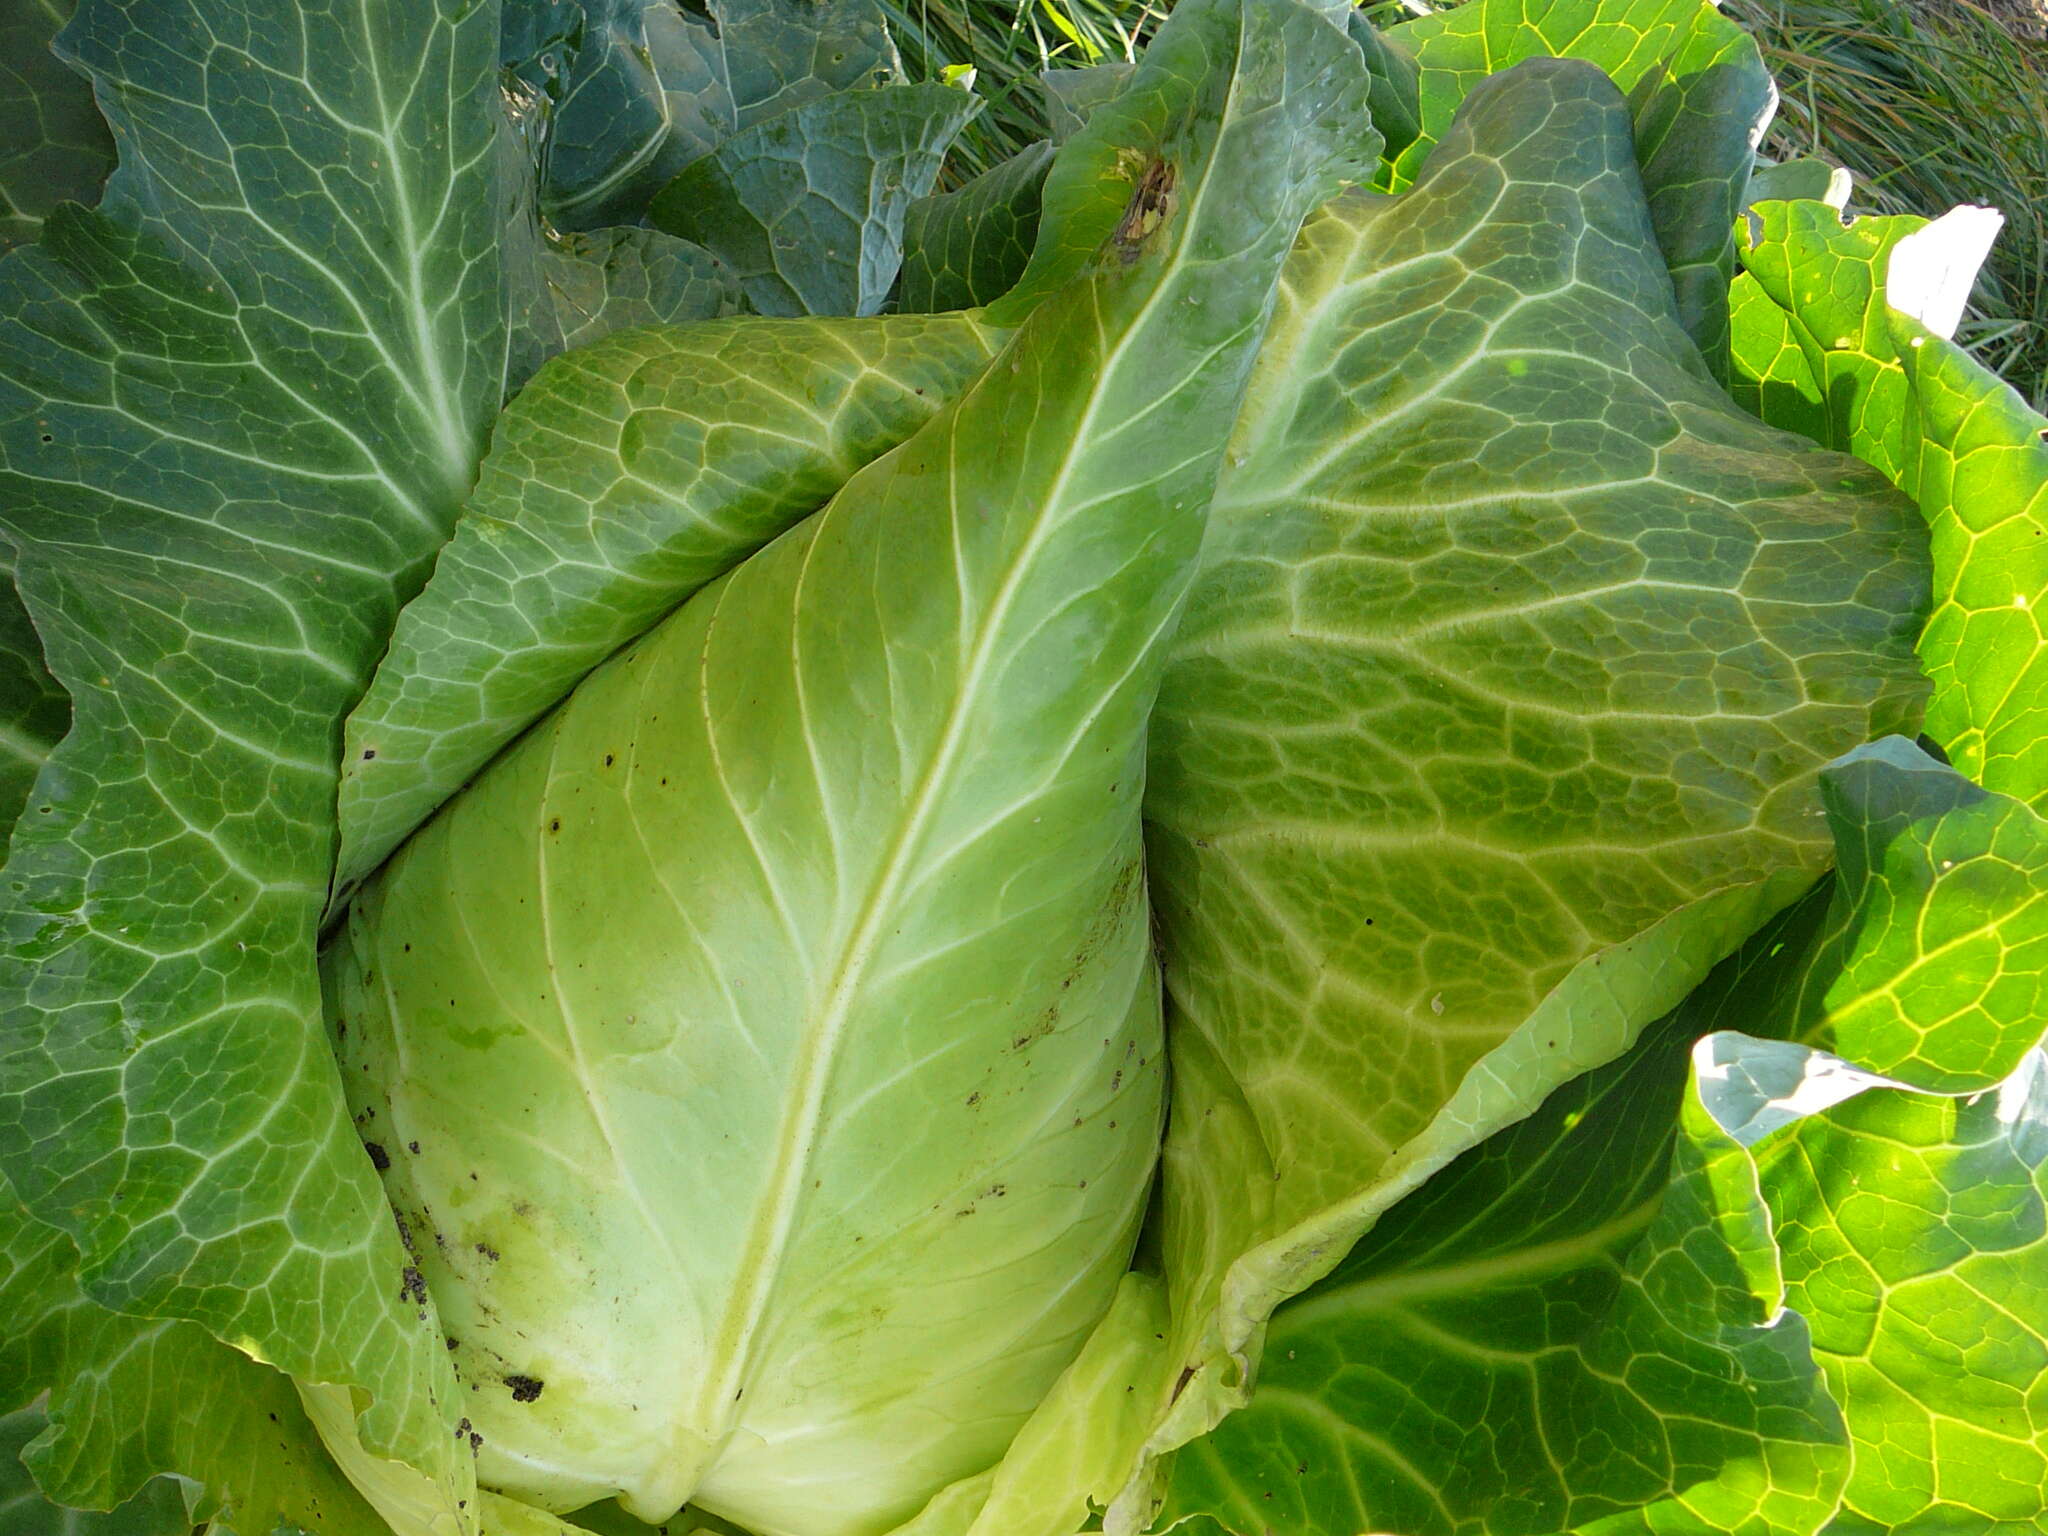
[{"x": 1151, "y": 202}]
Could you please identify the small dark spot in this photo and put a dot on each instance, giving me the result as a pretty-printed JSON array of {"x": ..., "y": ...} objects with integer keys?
[
  {"x": 476, "y": 1441},
  {"x": 452, "y": 1344},
  {"x": 368, "y": 753},
  {"x": 273, "y": 1418},
  {"x": 607, "y": 759},
  {"x": 49, "y": 439},
  {"x": 408, "y": 949},
  {"x": 413, "y": 1147},
  {"x": 487, "y": 1250},
  {"x": 1116, "y": 1081},
  {"x": 379, "y": 1158},
  {"x": 555, "y": 825},
  {"x": 415, "y": 1284},
  {"x": 1187, "y": 1374},
  {"x": 974, "y": 1098},
  {"x": 525, "y": 1388},
  {"x": 462, "y": 1429}
]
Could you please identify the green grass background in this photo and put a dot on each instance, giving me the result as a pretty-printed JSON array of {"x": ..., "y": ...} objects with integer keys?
[{"x": 1929, "y": 102}]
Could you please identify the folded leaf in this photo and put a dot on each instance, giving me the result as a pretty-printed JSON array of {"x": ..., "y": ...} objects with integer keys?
[
  {"x": 883, "y": 1172},
  {"x": 1932, "y": 966},
  {"x": 1496, "y": 716},
  {"x": 620, "y": 481},
  {"x": 1503, "y": 1353},
  {"x": 159, "y": 1510}
]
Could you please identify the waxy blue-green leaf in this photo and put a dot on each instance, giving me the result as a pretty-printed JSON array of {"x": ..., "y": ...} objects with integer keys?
[
  {"x": 883, "y": 1173},
  {"x": 641, "y": 88},
  {"x": 1843, "y": 333},
  {"x": 1700, "y": 97},
  {"x": 807, "y": 206},
  {"x": 239, "y": 405},
  {"x": 1072, "y": 95},
  {"x": 34, "y": 709},
  {"x": 54, "y": 145},
  {"x": 971, "y": 245},
  {"x": 1496, "y": 715},
  {"x": 572, "y": 290},
  {"x": 623, "y": 478}
]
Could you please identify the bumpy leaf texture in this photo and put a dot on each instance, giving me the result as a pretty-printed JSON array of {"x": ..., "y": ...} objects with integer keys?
[
  {"x": 1802, "y": 1297},
  {"x": 1495, "y": 719},
  {"x": 238, "y": 406},
  {"x": 1820, "y": 350}
]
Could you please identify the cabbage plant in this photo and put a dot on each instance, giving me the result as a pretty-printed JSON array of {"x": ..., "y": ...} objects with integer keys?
[{"x": 1320, "y": 811}]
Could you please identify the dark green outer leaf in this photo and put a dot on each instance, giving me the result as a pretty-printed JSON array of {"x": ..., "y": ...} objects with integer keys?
[
  {"x": 640, "y": 88},
  {"x": 238, "y": 409},
  {"x": 807, "y": 207},
  {"x": 624, "y": 478},
  {"x": 35, "y": 711},
  {"x": 617, "y": 279},
  {"x": 129, "y": 1398},
  {"x": 1072, "y": 95},
  {"x": 54, "y": 146},
  {"x": 1552, "y": 1331},
  {"x": 783, "y": 53},
  {"x": 970, "y": 246},
  {"x": 159, "y": 1510},
  {"x": 566, "y": 291},
  {"x": 645, "y": 93}
]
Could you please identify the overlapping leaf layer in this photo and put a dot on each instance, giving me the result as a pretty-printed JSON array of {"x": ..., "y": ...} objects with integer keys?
[{"x": 1605, "y": 1052}]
